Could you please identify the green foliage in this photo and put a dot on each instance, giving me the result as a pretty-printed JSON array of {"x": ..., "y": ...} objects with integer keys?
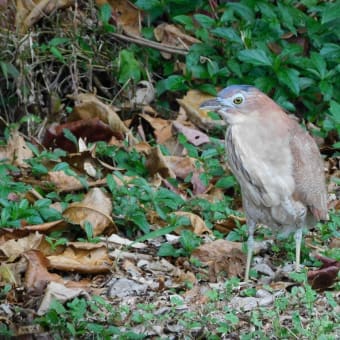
[
  {"x": 128, "y": 67},
  {"x": 188, "y": 243}
]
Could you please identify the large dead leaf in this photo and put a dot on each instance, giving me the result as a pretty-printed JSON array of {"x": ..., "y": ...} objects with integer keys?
[
  {"x": 62, "y": 181},
  {"x": 31, "y": 11},
  {"x": 193, "y": 136},
  {"x": 197, "y": 225},
  {"x": 15, "y": 247},
  {"x": 91, "y": 130},
  {"x": 82, "y": 257},
  {"x": 325, "y": 276},
  {"x": 125, "y": 14},
  {"x": 37, "y": 276},
  {"x": 16, "y": 151},
  {"x": 58, "y": 291},
  {"x": 157, "y": 163},
  {"x": 191, "y": 102},
  {"x": 89, "y": 106},
  {"x": 96, "y": 208},
  {"x": 161, "y": 127},
  {"x": 173, "y": 36},
  {"x": 222, "y": 256}
]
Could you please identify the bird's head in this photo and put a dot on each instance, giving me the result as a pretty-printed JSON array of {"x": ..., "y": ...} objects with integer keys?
[{"x": 237, "y": 103}]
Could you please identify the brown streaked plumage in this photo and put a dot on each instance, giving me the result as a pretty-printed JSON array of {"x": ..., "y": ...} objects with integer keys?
[{"x": 276, "y": 162}]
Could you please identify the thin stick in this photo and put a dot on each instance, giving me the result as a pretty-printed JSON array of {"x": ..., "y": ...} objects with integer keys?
[{"x": 152, "y": 44}]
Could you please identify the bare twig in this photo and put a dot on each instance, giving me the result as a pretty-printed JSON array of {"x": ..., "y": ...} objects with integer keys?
[{"x": 152, "y": 44}]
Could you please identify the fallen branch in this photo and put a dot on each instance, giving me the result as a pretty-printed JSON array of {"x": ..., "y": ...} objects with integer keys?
[{"x": 152, "y": 44}]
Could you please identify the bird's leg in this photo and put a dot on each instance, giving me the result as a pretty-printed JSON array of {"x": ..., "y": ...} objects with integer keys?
[
  {"x": 250, "y": 245},
  {"x": 298, "y": 240},
  {"x": 298, "y": 211}
]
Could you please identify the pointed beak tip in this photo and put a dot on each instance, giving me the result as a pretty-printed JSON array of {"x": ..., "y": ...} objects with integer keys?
[{"x": 211, "y": 104}]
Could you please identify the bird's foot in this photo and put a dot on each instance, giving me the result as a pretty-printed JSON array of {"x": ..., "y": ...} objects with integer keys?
[{"x": 298, "y": 267}]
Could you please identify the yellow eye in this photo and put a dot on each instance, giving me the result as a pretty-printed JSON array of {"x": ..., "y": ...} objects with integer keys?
[{"x": 237, "y": 100}]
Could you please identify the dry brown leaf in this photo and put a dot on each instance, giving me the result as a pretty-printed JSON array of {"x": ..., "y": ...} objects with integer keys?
[
  {"x": 61, "y": 293},
  {"x": 197, "y": 225},
  {"x": 222, "y": 256},
  {"x": 194, "y": 136},
  {"x": 125, "y": 14},
  {"x": 173, "y": 36},
  {"x": 82, "y": 257},
  {"x": 191, "y": 102},
  {"x": 15, "y": 247},
  {"x": 48, "y": 226},
  {"x": 182, "y": 167},
  {"x": 157, "y": 163},
  {"x": 89, "y": 106},
  {"x": 10, "y": 273},
  {"x": 29, "y": 12},
  {"x": 62, "y": 181},
  {"x": 162, "y": 127},
  {"x": 37, "y": 276},
  {"x": 95, "y": 208},
  {"x": 16, "y": 151}
]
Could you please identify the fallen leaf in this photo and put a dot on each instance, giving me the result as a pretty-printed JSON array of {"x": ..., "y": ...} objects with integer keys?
[
  {"x": 222, "y": 256},
  {"x": 15, "y": 247},
  {"x": 37, "y": 276},
  {"x": 95, "y": 208},
  {"x": 171, "y": 35},
  {"x": 91, "y": 129},
  {"x": 197, "y": 225},
  {"x": 325, "y": 276},
  {"x": 82, "y": 257},
  {"x": 16, "y": 151},
  {"x": 29, "y": 12},
  {"x": 125, "y": 14},
  {"x": 161, "y": 127},
  {"x": 58, "y": 291},
  {"x": 190, "y": 103},
  {"x": 194, "y": 136}
]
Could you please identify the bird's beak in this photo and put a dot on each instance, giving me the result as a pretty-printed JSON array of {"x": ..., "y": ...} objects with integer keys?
[{"x": 211, "y": 104}]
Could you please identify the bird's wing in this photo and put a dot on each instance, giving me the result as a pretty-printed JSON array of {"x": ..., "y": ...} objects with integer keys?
[
  {"x": 308, "y": 172},
  {"x": 262, "y": 162}
]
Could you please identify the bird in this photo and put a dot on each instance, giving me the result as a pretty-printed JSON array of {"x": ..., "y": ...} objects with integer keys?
[{"x": 276, "y": 162}]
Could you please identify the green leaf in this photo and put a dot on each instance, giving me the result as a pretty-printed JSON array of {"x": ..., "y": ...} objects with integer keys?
[
  {"x": 9, "y": 70},
  {"x": 157, "y": 233},
  {"x": 140, "y": 220},
  {"x": 58, "y": 41},
  {"x": 243, "y": 11},
  {"x": 227, "y": 33},
  {"x": 226, "y": 182},
  {"x": 105, "y": 13},
  {"x": 255, "y": 57},
  {"x": 286, "y": 17},
  {"x": 204, "y": 20},
  {"x": 185, "y": 20},
  {"x": 129, "y": 67},
  {"x": 172, "y": 83},
  {"x": 56, "y": 52},
  {"x": 331, "y": 12},
  {"x": 319, "y": 63},
  {"x": 289, "y": 77},
  {"x": 208, "y": 88},
  {"x": 70, "y": 136},
  {"x": 167, "y": 249},
  {"x": 335, "y": 111}
]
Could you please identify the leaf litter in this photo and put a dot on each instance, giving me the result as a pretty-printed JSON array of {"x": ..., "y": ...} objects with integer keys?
[{"x": 36, "y": 260}]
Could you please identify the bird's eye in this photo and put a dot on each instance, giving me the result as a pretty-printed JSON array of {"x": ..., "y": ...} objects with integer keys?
[{"x": 238, "y": 100}]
